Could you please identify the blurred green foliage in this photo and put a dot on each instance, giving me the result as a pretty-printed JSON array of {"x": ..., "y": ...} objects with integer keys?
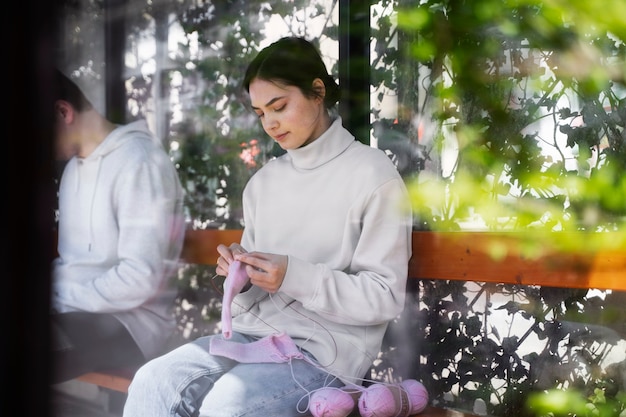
[
  {"x": 221, "y": 142},
  {"x": 533, "y": 96},
  {"x": 526, "y": 100}
]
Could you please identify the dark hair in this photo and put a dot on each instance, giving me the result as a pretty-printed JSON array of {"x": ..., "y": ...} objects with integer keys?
[
  {"x": 293, "y": 61},
  {"x": 65, "y": 89}
]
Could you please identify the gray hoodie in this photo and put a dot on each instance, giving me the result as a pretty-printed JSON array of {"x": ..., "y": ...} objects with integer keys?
[{"x": 121, "y": 230}]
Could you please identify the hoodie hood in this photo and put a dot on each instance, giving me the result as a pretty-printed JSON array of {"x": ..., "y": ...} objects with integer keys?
[
  {"x": 115, "y": 139},
  {"x": 86, "y": 173}
]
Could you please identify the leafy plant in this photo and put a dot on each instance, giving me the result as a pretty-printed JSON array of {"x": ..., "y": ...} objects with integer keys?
[
  {"x": 511, "y": 115},
  {"x": 497, "y": 74},
  {"x": 220, "y": 141},
  {"x": 517, "y": 111}
]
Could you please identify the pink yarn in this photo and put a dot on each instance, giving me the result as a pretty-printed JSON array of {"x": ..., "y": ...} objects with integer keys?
[
  {"x": 234, "y": 283},
  {"x": 278, "y": 348},
  {"x": 331, "y": 402},
  {"x": 378, "y": 400},
  {"x": 418, "y": 396}
]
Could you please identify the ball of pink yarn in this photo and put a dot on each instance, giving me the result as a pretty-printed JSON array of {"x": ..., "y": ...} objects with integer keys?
[
  {"x": 377, "y": 401},
  {"x": 418, "y": 396},
  {"x": 330, "y": 402}
]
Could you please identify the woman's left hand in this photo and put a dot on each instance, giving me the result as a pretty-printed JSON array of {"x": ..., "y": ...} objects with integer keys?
[
  {"x": 266, "y": 270},
  {"x": 227, "y": 255}
]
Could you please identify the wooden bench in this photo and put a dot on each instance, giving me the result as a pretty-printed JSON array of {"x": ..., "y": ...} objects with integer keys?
[{"x": 440, "y": 255}]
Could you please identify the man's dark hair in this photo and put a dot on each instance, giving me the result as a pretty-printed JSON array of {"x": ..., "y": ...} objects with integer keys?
[{"x": 67, "y": 90}]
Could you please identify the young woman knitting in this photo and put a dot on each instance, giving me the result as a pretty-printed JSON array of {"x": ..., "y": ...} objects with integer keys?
[{"x": 321, "y": 266}]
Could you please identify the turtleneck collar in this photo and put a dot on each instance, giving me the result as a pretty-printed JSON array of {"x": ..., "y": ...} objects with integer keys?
[{"x": 328, "y": 146}]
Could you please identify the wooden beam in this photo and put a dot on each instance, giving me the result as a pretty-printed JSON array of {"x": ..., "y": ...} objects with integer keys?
[
  {"x": 469, "y": 256},
  {"x": 116, "y": 379},
  {"x": 496, "y": 257},
  {"x": 354, "y": 67},
  {"x": 116, "y": 15}
]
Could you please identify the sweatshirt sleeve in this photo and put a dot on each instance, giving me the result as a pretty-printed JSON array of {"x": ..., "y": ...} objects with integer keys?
[
  {"x": 372, "y": 290},
  {"x": 142, "y": 254}
]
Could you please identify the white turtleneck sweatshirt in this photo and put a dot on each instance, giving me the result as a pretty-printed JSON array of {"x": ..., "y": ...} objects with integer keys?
[
  {"x": 121, "y": 230},
  {"x": 340, "y": 211}
]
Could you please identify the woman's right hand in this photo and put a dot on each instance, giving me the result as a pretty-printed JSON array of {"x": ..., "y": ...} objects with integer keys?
[{"x": 227, "y": 256}]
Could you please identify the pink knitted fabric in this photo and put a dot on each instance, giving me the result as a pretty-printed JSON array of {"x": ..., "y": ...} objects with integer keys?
[
  {"x": 331, "y": 402},
  {"x": 277, "y": 348},
  {"x": 235, "y": 281},
  {"x": 396, "y": 400}
]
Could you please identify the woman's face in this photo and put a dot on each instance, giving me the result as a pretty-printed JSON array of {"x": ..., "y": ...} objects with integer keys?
[{"x": 290, "y": 118}]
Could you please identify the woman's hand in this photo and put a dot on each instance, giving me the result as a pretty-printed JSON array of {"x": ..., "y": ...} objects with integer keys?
[
  {"x": 227, "y": 256},
  {"x": 266, "y": 270}
]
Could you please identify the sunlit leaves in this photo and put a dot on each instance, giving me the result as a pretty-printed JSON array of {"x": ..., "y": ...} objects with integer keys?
[
  {"x": 498, "y": 72},
  {"x": 561, "y": 403}
]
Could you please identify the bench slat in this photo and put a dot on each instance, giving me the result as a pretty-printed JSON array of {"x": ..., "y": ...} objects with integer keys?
[
  {"x": 116, "y": 379},
  {"x": 200, "y": 246},
  {"x": 466, "y": 256}
]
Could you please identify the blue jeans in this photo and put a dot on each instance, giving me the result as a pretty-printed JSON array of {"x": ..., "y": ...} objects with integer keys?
[{"x": 190, "y": 382}]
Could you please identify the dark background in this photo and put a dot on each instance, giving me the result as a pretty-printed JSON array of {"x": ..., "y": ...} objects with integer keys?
[{"x": 28, "y": 229}]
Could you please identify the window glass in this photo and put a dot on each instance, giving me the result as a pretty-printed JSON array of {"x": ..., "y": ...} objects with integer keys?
[
  {"x": 477, "y": 346},
  {"x": 181, "y": 69}
]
